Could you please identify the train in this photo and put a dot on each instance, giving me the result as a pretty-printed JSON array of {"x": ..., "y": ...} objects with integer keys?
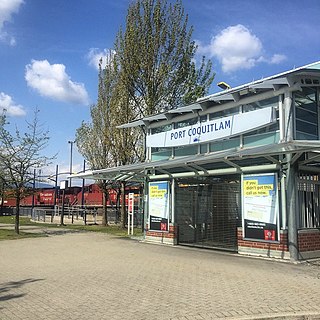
[{"x": 89, "y": 196}]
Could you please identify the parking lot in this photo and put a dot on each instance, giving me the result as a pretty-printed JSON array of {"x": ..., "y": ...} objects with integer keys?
[{"x": 84, "y": 275}]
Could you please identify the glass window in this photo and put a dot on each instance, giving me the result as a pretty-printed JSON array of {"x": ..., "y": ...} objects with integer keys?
[
  {"x": 186, "y": 123},
  {"x": 161, "y": 129},
  {"x": 204, "y": 148},
  {"x": 261, "y": 104},
  {"x": 225, "y": 144},
  {"x": 223, "y": 113},
  {"x": 306, "y": 127},
  {"x": 185, "y": 150},
  {"x": 306, "y": 113}
]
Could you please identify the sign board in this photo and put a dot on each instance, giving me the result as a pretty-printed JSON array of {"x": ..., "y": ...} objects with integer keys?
[
  {"x": 130, "y": 212},
  {"x": 130, "y": 203},
  {"x": 63, "y": 184},
  {"x": 260, "y": 207},
  {"x": 216, "y": 129},
  {"x": 159, "y": 206}
]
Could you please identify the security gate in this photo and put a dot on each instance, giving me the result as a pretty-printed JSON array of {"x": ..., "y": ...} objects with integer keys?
[
  {"x": 208, "y": 212},
  {"x": 309, "y": 200}
]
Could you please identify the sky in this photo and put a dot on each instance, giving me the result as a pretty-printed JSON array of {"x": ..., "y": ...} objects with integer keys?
[{"x": 49, "y": 50}]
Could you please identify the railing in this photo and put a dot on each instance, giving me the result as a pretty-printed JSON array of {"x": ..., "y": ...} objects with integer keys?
[{"x": 81, "y": 215}]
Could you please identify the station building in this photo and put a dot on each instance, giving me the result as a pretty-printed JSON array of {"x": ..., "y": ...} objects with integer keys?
[{"x": 238, "y": 170}]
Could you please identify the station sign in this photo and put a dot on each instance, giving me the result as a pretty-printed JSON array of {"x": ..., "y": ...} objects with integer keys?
[{"x": 216, "y": 129}]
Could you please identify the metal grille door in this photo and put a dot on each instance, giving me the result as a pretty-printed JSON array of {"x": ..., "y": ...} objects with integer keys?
[
  {"x": 208, "y": 213},
  {"x": 309, "y": 201}
]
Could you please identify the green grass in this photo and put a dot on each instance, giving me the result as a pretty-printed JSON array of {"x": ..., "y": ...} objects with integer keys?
[
  {"x": 11, "y": 235},
  {"x": 114, "y": 230},
  {"x": 24, "y": 221}
]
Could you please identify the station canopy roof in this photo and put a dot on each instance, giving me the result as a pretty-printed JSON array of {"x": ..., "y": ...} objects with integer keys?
[
  {"x": 236, "y": 160},
  {"x": 232, "y": 161},
  {"x": 286, "y": 79}
]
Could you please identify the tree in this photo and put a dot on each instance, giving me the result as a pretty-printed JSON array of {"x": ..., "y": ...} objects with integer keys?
[
  {"x": 156, "y": 54},
  {"x": 157, "y": 69},
  {"x": 20, "y": 154},
  {"x": 96, "y": 138},
  {"x": 151, "y": 69},
  {"x": 3, "y": 188}
]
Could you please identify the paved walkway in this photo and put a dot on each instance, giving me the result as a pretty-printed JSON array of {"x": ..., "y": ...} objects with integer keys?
[{"x": 95, "y": 276}]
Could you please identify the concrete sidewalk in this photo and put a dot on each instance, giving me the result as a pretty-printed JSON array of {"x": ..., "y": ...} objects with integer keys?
[{"x": 95, "y": 276}]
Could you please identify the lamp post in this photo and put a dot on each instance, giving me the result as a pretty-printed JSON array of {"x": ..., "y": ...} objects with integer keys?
[
  {"x": 71, "y": 147},
  {"x": 63, "y": 186}
]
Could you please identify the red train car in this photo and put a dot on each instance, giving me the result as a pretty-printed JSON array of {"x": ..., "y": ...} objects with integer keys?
[{"x": 92, "y": 196}]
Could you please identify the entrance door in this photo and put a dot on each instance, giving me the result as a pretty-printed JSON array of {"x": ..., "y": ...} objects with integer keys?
[{"x": 208, "y": 212}]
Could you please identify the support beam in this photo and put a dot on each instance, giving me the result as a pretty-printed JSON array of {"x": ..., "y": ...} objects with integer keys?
[
  {"x": 272, "y": 159},
  {"x": 216, "y": 172},
  {"x": 291, "y": 198}
]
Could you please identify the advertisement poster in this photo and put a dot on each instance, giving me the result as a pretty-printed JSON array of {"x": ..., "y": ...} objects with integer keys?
[
  {"x": 260, "y": 207},
  {"x": 159, "y": 206}
]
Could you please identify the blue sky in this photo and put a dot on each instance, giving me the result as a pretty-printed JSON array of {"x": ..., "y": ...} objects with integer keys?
[{"x": 49, "y": 50}]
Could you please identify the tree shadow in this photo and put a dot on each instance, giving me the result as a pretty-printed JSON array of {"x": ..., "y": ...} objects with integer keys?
[{"x": 6, "y": 287}]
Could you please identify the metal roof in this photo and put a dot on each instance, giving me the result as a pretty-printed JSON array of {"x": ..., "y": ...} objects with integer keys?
[
  {"x": 233, "y": 94},
  {"x": 228, "y": 161}
]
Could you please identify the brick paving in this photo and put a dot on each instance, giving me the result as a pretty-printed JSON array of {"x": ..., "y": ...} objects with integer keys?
[{"x": 95, "y": 276}]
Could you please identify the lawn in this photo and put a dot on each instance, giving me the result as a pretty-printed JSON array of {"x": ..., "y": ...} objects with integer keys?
[
  {"x": 115, "y": 230},
  {"x": 11, "y": 235}
]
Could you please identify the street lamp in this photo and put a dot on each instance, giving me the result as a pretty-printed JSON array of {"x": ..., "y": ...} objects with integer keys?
[
  {"x": 223, "y": 85},
  {"x": 63, "y": 186},
  {"x": 71, "y": 147}
]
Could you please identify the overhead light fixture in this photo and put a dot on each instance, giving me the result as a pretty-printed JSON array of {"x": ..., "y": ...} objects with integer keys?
[{"x": 223, "y": 85}]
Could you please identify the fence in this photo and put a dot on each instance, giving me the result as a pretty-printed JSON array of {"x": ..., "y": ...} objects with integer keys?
[{"x": 81, "y": 215}]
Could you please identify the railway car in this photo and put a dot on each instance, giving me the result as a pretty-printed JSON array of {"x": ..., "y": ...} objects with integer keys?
[{"x": 91, "y": 196}]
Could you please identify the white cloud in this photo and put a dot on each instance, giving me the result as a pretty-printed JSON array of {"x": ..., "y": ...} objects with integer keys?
[
  {"x": 277, "y": 58},
  {"x": 95, "y": 55},
  {"x": 12, "y": 109},
  {"x": 51, "y": 80},
  {"x": 7, "y": 9},
  {"x": 236, "y": 47}
]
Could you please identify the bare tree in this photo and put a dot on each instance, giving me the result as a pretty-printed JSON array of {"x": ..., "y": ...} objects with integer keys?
[{"x": 20, "y": 154}]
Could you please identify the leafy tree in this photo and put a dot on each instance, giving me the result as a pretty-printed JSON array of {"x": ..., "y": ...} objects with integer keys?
[
  {"x": 157, "y": 69},
  {"x": 95, "y": 139},
  {"x": 156, "y": 54},
  {"x": 151, "y": 69},
  {"x": 20, "y": 154}
]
